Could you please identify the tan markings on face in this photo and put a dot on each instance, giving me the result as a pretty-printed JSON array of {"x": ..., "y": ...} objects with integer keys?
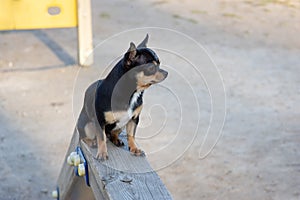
[
  {"x": 143, "y": 82},
  {"x": 159, "y": 77},
  {"x": 112, "y": 117}
]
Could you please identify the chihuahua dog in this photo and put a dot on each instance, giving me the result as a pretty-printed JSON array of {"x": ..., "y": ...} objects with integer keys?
[{"x": 116, "y": 102}]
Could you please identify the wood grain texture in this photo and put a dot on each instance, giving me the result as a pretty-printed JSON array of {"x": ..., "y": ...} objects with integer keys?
[
  {"x": 67, "y": 177},
  {"x": 124, "y": 176}
]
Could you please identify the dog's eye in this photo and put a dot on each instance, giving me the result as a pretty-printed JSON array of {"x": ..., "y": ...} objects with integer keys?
[{"x": 152, "y": 69}]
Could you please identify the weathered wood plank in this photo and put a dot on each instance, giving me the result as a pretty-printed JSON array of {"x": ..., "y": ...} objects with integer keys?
[
  {"x": 124, "y": 176},
  {"x": 72, "y": 187},
  {"x": 67, "y": 176},
  {"x": 79, "y": 191},
  {"x": 98, "y": 193}
]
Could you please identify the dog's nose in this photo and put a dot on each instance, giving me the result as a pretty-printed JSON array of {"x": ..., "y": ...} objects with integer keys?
[{"x": 165, "y": 73}]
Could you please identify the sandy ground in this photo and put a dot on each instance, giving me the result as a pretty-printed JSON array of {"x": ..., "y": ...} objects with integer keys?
[{"x": 255, "y": 45}]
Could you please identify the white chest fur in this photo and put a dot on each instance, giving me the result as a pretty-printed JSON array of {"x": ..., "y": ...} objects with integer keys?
[{"x": 124, "y": 118}]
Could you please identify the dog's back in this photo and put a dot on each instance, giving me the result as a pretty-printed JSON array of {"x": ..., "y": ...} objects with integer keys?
[{"x": 88, "y": 114}]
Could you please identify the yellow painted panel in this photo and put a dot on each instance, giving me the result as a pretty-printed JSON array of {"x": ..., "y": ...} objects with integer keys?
[
  {"x": 6, "y": 15},
  {"x": 33, "y": 14}
]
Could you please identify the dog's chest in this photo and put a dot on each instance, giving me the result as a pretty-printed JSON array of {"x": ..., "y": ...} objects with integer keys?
[{"x": 123, "y": 117}]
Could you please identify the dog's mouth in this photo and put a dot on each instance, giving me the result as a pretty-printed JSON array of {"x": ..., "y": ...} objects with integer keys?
[
  {"x": 160, "y": 76},
  {"x": 147, "y": 85},
  {"x": 145, "y": 81}
]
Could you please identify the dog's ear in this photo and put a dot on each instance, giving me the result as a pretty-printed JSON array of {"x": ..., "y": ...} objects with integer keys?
[
  {"x": 144, "y": 42},
  {"x": 130, "y": 55}
]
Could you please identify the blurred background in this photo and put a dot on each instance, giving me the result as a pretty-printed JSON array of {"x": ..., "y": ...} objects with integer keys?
[{"x": 255, "y": 45}]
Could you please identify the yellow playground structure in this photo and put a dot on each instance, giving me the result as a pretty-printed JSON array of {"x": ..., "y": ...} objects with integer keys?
[{"x": 31, "y": 14}]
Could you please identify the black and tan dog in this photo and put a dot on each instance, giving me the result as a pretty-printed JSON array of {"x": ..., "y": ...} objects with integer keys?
[{"x": 116, "y": 101}]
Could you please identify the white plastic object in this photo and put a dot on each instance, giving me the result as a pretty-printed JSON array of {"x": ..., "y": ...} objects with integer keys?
[
  {"x": 72, "y": 155},
  {"x": 69, "y": 161},
  {"x": 54, "y": 194},
  {"x": 76, "y": 160},
  {"x": 81, "y": 169}
]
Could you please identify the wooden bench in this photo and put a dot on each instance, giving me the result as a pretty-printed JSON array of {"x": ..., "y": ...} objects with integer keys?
[{"x": 122, "y": 176}]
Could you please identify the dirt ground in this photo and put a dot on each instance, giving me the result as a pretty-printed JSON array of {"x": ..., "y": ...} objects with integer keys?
[{"x": 255, "y": 45}]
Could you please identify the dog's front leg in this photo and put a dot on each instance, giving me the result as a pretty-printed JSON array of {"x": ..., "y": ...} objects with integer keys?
[
  {"x": 130, "y": 129},
  {"x": 101, "y": 143}
]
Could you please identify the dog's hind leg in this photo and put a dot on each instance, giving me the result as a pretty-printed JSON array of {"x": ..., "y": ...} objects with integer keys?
[
  {"x": 90, "y": 133},
  {"x": 86, "y": 129},
  {"x": 102, "y": 148}
]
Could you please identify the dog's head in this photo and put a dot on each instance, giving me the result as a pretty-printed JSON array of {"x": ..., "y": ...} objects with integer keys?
[{"x": 144, "y": 64}]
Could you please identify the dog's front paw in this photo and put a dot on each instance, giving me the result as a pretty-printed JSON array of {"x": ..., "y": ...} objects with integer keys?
[
  {"x": 102, "y": 155},
  {"x": 137, "y": 152}
]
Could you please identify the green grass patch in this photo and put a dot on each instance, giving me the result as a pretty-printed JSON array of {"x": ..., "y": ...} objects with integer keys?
[
  {"x": 105, "y": 15},
  {"x": 185, "y": 19},
  {"x": 266, "y": 2},
  {"x": 159, "y": 2},
  {"x": 231, "y": 15},
  {"x": 176, "y": 16}
]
